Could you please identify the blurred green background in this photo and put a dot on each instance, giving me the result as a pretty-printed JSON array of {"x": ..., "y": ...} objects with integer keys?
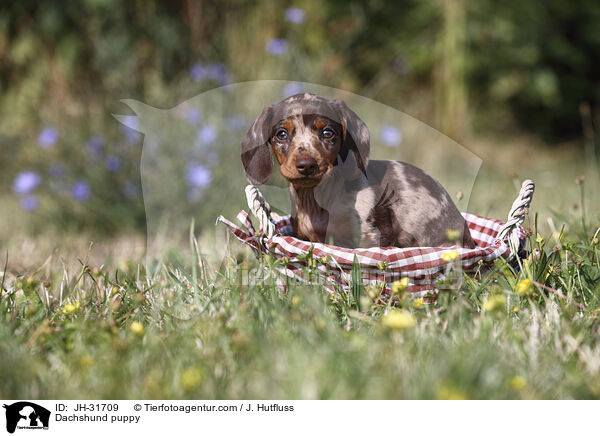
[{"x": 518, "y": 84}]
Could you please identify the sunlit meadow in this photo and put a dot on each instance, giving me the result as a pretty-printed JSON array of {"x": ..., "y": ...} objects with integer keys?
[{"x": 90, "y": 308}]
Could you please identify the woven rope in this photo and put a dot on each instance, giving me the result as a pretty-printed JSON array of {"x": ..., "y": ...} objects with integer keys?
[
  {"x": 516, "y": 216},
  {"x": 261, "y": 210}
]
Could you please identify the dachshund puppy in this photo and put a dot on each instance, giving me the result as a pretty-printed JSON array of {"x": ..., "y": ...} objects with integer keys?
[{"x": 338, "y": 194}]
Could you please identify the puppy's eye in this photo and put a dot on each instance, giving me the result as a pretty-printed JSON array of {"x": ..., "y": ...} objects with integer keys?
[
  {"x": 282, "y": 134},
  {"x": 328, "y": 133}
]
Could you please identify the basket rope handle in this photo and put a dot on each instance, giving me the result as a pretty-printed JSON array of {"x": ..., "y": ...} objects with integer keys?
[
  {"x": 516, "y": 216},
  {"x": 261, "y": 210}
]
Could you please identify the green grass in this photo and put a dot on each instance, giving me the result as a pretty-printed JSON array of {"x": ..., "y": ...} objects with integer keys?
[{"x": 192, "y": 327}]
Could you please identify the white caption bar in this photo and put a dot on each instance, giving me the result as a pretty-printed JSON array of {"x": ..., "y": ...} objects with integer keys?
[{"x": 242, "y": 417}]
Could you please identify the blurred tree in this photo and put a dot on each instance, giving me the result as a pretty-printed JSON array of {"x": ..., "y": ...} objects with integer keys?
[
  {"x": 539, "y": 58},
  {"x": 450, "y": 81}
]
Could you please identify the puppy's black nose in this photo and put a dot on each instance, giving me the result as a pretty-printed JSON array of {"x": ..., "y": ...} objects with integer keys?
[{"x": 306, "y": 165}]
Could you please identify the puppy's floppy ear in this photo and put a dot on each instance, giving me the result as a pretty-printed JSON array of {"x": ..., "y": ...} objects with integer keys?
[
  {"x": 256, "y": 156},
  {"x": 355, "y": 139}
]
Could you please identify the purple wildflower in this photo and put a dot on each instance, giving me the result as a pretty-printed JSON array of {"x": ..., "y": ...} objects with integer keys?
[
  {"x": 198, "y": 72},
  {"x": 29, "y": 203},
  {"x": 113, "y": 163},
  {"x": 25, "y": 182},
  {"x": 292, "y": 88},
  {"x": 207, "y": 135},
  {"x": 193, "y": 115},
  {"x": 95, "y": 144},
  {"x": 131, "y": 121},
  {"x": 216, "y": 72},
  {"x": 131, "y": 136},
  {"x": 80, "y": 190},
  {"x": 131, "y": 130},
  {"x": 48, "y": 137},
  {"x": 276, "y": 46},
  {"x": 198, "y": 176},
  {"x": 390, "y": 135},
  {"x": 295, "y": 15}
]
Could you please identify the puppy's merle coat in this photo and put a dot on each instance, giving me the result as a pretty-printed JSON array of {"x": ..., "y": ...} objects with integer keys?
[{"x": 337, "y": 193}]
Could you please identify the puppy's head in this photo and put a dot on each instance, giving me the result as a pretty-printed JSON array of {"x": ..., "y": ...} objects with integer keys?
[{"x": 309, "y": 135}]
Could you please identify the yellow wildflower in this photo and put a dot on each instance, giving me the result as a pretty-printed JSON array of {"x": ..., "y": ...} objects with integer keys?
[
  {"x": 517, "y": 382},
  {"x": 373, "y": 291},
  {"x": 296, "y": 300},
  {"x": 191, "y": 378},
  {"x": 400, "y": 286},
  {"x": 418, "y": 302},
  {"x": 398, "y": 319},
  {"x": 450, "y": 256},
  {"x": 86, "y": 360},
  {"x": 495, "y": 302},
  {"x": 523, "y": 287},
  {"x": 325, "y": 260},
  {"x": 70, "y": 309},
  {"x": 382, "y": 265},
  {"x": 137, "y": 328},
  {"x": 451, "y": 393},
  {"x": 365, "y": 302}
]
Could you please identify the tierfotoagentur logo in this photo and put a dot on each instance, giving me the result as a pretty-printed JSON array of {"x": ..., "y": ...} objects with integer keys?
[
  {"x": 192, "y": 171},
  {"x": 191, "y": 168},
  {"x": 26, "y": 415}
]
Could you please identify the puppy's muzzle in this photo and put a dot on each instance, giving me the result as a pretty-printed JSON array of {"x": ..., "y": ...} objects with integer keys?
[{"x": 306, "y": 165}]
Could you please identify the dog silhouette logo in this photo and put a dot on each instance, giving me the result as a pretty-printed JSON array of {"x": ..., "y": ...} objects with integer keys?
[
  {"x": 26, "y": 415},
  {"x": 191, "y": 165}
]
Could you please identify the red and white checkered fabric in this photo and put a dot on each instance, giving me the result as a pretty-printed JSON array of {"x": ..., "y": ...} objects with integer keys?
[{"x": 424, "y": 266}]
